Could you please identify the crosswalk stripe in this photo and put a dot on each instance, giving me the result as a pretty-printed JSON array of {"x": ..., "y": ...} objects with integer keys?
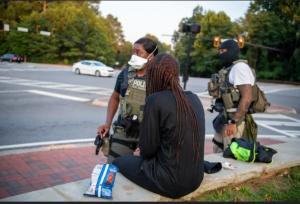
[
  {"x": 57, "y": 85},
  {"x": 267, "y": 116},
  {"x": 281, "y": 89},
  {"x": 280, "y": 123},
  {"x": 3, "y": 77},
  {"x": 278, "y": 120},
  {"x": 45, "y": 93},
  {"x": 294, "y": 132},
  {"x": 12, "y": 91},
  {"x": 274, "y": 116},
  {"x": 275, "y": 129}
]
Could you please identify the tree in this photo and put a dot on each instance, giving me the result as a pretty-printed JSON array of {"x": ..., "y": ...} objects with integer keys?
[
  {"x": 204, "y": 59},
  {"x": 123, "y": 53},
  {"x": 181, "y": 40},
  {"x": 162, "y": 47},
  {"x": 77, "y": 32},
  {"x": 271, "y": 30},
  {"x": 274, "y": 24},
  {"x": 120, "y": 46}
]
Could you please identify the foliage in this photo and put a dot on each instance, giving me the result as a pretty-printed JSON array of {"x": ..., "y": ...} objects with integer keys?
[
  {"x": 271, "y": 30},
  {"x": 77, "y": 32},
  {"x": 283, "y": 187},
  {"x": 162, "y": 47},
  {"x": 274, "y": 24},
  {"x": 204, "y": 59}
]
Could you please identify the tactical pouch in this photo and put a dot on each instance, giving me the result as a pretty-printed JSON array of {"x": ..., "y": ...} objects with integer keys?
[
  {"x": 121, "y": 145},
  {"x": 260, "y": 102},
  {"x": 127, "y": 126},
  {"x": 213, "y": 90},
  {"x": 235, "y": 95},
  {"x": 228, "y": 103}
]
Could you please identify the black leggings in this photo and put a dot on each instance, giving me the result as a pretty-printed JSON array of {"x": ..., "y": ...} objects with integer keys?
[{"x": 130, "y": 167}]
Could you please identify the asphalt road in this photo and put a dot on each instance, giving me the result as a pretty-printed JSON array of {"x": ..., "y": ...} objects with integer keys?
[{"x": 40, "y": 103}]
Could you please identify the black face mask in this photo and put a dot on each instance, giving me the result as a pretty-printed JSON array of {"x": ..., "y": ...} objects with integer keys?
[{"x": 232, "y": 53}]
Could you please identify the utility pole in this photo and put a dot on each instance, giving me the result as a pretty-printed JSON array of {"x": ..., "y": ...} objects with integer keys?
[
  {"x": 5, "y": 2},
  {"x": 185, "y": 76},
  {"x": 191, "y": 30}
]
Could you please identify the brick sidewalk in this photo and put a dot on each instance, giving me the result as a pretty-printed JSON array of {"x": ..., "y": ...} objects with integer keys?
[{"x": 25, "y": 172}]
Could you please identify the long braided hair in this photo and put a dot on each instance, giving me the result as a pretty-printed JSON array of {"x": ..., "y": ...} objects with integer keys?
[{"x": 162, "y": 73}]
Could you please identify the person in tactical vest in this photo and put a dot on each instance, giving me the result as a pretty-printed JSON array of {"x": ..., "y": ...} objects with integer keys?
[
  {"x": 129, "y": 93},
  {"x": 231, "y": 89}
]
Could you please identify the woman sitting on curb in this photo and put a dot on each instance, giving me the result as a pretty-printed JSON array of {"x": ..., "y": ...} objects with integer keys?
[{"x": 171, "y": 147}]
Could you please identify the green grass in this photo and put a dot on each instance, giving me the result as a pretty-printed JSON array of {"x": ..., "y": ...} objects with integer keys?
[{"x": 285, "y": 186}]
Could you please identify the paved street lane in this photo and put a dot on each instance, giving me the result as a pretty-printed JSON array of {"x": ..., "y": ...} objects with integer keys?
[{"x": 45, "y": 103}]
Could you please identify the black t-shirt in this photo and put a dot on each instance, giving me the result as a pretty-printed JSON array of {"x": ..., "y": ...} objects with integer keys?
[
  {"x": 157, "y": 133},
  {"x": 120, "y": 79}
]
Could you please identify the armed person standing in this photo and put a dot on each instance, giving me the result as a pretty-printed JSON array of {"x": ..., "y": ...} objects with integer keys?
[
  {"x": 232, "y": 90},
  {"x": 129, "y": 92}
]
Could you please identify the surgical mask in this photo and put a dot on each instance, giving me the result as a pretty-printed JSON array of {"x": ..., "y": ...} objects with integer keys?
[{"x": 137, "y": 62}]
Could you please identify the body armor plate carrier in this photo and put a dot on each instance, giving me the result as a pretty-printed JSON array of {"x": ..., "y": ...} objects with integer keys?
[
  {"x": 227, "y": 96},
  {"x": 126, "y": 129}
]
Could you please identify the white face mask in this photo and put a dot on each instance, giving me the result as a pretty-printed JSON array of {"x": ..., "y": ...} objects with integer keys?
[{"x": 137, "y": 62}]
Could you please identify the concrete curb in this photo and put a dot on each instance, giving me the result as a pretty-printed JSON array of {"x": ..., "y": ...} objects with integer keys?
[{"x": 125, "y": 190}]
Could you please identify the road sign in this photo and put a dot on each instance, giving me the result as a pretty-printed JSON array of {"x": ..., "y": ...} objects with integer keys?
[
  {"x": 45, "y": 33},
  {"x": 6, "y": 27},
  {"x": 21, "y": 29}
]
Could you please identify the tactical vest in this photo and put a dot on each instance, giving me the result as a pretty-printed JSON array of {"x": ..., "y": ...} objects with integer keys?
[
  {"x": 126, "y": 129},
  {"x": 132, "y": 103},
  {"x": 227, "y": 96}
]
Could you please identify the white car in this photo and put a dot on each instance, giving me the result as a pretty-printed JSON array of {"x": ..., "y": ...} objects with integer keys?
[{"x": 92, "y": 67}]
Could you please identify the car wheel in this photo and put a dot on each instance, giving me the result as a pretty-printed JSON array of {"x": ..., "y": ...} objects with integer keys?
[
  {"x": 97, "y": 74},
  {"x": 77, "y": 71}
]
